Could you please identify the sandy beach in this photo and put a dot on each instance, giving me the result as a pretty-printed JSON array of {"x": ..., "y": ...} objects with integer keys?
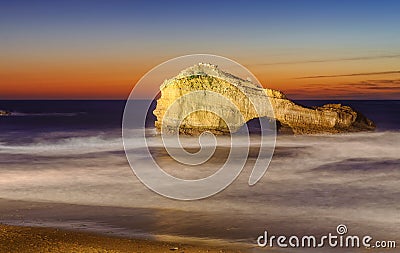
[{"x": 34, "y": 239}]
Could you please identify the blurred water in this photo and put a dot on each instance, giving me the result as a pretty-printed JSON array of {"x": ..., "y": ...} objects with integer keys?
[{"x": 313, "y": 183}]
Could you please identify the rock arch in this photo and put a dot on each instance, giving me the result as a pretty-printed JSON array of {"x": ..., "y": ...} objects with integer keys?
[{"x": 330, "y": 118}]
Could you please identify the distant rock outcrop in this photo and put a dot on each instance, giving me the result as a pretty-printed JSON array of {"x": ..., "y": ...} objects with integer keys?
[
  {"x": 330, "y": 118},
  {"x": 4, "y": 113}
]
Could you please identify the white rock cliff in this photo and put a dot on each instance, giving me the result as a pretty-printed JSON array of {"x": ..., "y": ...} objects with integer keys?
[{"x": 330, "y": 118}]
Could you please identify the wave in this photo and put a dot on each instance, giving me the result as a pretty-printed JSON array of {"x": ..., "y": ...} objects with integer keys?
[
  {"x": 87, "y": 142},
  {"x": 66, "y": 146}
]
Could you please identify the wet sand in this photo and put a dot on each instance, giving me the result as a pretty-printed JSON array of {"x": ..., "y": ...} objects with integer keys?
[
  {"x": 51, "y": 227},
  {"x": 34, "y": 239},
  {"x": 56, "y": 227}
]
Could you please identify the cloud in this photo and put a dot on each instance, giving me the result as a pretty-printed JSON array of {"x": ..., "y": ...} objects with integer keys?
[
  {"x": 359, "y": 58},
  {"x": 392, "y": 85},
  {"x": 367, "y": 89},
  {"x": 353, "y": 74},
  {"x": 367, "y": 84}
]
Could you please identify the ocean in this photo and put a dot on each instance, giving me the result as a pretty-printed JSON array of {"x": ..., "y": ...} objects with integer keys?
[{"x": 62, "y": 164}]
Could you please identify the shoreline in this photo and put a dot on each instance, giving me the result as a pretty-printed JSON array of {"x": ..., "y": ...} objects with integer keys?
[
  {"x": 44, "y": 239},
  {"x": 69, "y": 228}
]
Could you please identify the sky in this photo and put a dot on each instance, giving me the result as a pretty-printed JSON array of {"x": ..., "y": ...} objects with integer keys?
[{"x": 100, "y": 49}]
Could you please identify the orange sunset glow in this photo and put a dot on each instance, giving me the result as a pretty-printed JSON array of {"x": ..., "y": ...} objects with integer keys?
[
  {"x": 80, "y": 55},
  {"x": 114, "y": 80}
]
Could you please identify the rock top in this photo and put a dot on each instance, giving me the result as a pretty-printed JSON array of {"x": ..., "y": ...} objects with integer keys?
[{"x": 290, "y": 117}]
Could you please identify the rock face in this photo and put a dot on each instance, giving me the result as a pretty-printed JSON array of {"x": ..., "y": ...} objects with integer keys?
[
  {"x": 4, "y": 113},
  {"x": 330, "y": 118}
]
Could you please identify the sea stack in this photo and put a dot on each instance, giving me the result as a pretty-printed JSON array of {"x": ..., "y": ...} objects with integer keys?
[{"x": 329, "y": 118}]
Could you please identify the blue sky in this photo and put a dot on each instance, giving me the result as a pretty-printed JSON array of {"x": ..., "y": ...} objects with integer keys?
[{"x": 45, "y": 34}]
